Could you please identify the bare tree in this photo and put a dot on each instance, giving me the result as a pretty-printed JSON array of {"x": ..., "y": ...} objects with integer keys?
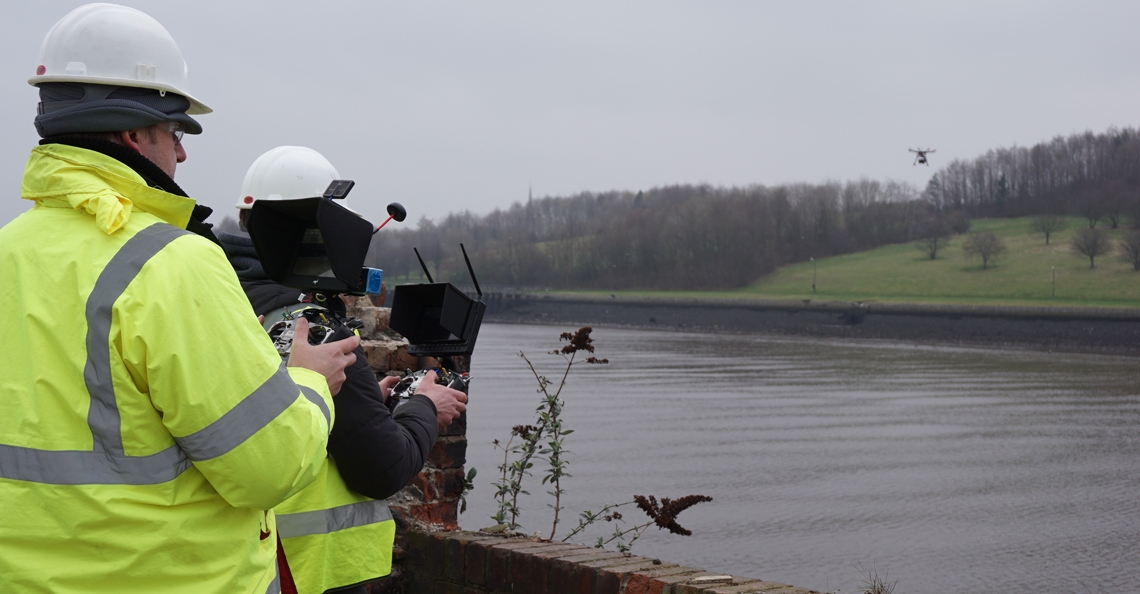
[
  {"x": 1092, "y": 206},
  {"x": 1114, "y": 202},
  {"x": 931, "y": 244},
  {"x": 985, "y": 245},
  {"x": 1129, "y": 249},
  {"x": 934, "y": 235},
  {"x": 1091, "y": 243},
  {"x": 1047, "y": 224}
]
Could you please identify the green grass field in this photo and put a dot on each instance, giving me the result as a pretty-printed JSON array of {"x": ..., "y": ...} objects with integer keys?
[
  {"x": 1022, "y": 276},
  {"x": 903, "y": 274}
]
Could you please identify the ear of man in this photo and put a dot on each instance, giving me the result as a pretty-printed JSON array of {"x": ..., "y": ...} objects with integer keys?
[{"x": 131, "y": 138}]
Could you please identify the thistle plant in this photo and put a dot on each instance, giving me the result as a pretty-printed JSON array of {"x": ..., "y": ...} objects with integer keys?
[
  {"x": 546, "y": 441},
  {"x": 664, "y": 515}
]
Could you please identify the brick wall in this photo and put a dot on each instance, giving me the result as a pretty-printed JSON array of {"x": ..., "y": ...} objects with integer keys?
[
  {"x": 432, "y": 556},
  {"x": 473, "y": 563}
]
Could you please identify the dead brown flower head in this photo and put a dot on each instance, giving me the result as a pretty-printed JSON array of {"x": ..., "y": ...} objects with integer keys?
[
  {"x": 524, "y": 431},
  {"x": 665, "y": 514},
  {"x": 579, "y": 341}
]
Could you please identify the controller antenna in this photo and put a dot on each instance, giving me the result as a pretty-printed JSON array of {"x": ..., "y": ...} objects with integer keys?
[
  {"x": 471, "y": 270},
  {"x": 395, "y": 211},
  {"x": 422, "y": 265}
]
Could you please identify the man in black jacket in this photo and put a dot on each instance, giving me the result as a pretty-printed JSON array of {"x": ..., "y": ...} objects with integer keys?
[{"x": 375, "y": 451}]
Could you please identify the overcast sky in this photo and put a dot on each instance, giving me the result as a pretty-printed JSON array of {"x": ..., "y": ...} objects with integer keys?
[{"x": 446, "y": 106}]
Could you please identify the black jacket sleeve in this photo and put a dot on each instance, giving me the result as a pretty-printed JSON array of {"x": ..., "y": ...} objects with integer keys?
[{"x": 378, "y": 453}]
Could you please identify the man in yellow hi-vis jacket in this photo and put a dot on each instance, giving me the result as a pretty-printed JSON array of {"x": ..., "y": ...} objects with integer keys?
[{"x": 148, "y": 425}]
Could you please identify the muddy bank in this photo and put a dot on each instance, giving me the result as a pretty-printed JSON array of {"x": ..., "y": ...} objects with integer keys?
[{"x": 1086, "y": 330}]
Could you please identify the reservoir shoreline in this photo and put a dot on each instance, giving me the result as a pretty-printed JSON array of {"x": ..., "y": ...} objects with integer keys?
[{"x": 1060, "y": 329}]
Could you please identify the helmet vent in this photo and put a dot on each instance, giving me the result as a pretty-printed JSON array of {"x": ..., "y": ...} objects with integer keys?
[{"x": 145, "y": 72}]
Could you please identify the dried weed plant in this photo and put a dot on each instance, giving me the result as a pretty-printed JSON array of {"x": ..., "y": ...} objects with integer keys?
[{"x": 546, "y": 441}]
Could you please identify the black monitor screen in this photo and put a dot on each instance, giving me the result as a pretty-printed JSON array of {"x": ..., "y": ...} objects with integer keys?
[{"x": 312, "y": 257}]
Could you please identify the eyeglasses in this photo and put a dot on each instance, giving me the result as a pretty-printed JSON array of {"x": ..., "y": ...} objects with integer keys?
[{"x": 176, "y": 132}]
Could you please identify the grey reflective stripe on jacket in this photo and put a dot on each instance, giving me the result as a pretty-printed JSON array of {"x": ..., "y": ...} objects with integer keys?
[
  {"x": 325, "y": 521},
  {"x": 248, "y": 417},
  {"x": 103, "y": 416},
  {"x": 275, "y": 585},
  {"x": 106, "y": 464}
]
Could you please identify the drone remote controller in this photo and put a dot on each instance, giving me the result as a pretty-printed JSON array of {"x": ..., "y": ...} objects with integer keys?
[
  {"x": 406, "y": 387},
  {"x": 324, "y": 327}
]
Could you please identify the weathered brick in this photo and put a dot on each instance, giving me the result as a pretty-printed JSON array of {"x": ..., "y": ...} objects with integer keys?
[
  {"x": 510, "y": 544},
  {"x": 591, "y": 555},
  {"x": 738, "y": 586},
  {"x": 692, "y": 584},
  {"x": 646, "y": 582},
  {"x": 519, "y": 572},
  {"x": 607, "y": 583},
  {"x": 439, "y": 485},
  {"x": 374, "y": 319},
  {"x": 421, "y": 584},
  {"x": 450, "y": 483},
  {"x": 449, "y": 452},
  {"x": 539, "y": 573},
  {"x": 435, "y": 552},
  {"x": 775, "y": 587},
  {"x": 425, "y": 483},
  {"x": 457, "y": 427},
  {"x": 417, "y": 549},
  {"x": 448, "y": 588},
  {"x": 454, "y": 562},
  {"x": 530, "y": 564},
  {"x": 435, "y": 515},
  {"x": 606, "y": 562},
  {"x": 567, "y": 577},
  {"x": 556, "y": 550},
  {"x": 612, "y": 577},
  {"x": 498, "y": 565},
  {"x": 388, "y": 355},
  {"x": 671, "y": 583},
  {"x": 476, "y": 562}
]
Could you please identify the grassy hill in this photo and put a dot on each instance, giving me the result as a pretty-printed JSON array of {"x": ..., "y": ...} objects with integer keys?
[
  {"x": 902, "y": 273},
  {"x": 1022, "y": 276}
]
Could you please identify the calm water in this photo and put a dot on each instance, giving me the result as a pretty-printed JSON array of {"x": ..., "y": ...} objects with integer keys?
[{"x": 952, "y": 470}]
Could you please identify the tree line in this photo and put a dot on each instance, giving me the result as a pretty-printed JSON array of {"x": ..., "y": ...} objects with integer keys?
[
  {"x": 673, "y": 237},
  {"x": 1092, "y": 175},
  {"x": 705, "y": 237},
  {"x": 699, "y": 236}
]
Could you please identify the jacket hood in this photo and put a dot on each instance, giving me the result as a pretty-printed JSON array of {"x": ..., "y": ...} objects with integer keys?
[{"x": 59, "y": 175}]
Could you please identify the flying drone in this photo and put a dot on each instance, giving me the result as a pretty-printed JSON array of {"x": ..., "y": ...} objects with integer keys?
[{"x": 920, "y": 155}]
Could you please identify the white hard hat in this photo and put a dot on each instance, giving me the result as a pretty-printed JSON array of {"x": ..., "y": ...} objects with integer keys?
[
  {"x": 286, "y": 173},
  {"x": 114, "y": 45}
]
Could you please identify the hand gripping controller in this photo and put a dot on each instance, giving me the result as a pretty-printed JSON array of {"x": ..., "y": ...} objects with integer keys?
[
  {"x": 324, "y": 326},
  {"x": 406, "y": 387}
]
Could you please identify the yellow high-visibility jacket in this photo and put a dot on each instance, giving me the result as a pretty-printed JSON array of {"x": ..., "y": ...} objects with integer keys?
[
  {"x": 147, "y": 424},
  {"x": 334, "y": 537}
]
